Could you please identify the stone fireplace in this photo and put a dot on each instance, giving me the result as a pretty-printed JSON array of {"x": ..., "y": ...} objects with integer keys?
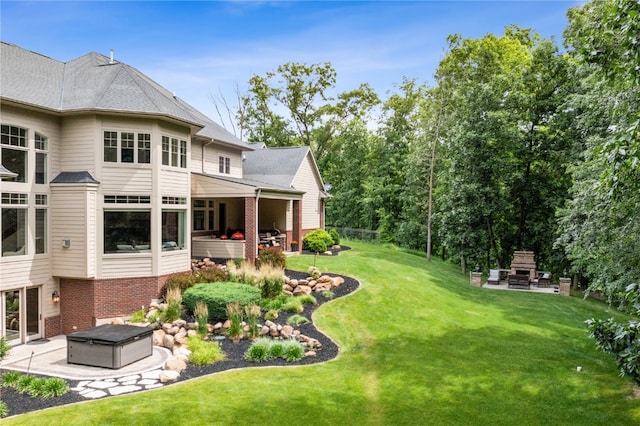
[{"x": 523, "y": 264}]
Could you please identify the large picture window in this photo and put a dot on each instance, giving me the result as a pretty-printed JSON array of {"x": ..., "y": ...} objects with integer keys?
[
  {"x": 173, "y": 229},
  {"x": 127, "y": 231}
]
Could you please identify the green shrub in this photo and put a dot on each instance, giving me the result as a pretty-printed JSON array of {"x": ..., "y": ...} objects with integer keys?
[
  {"x": 54, "y": 387},
  {"x": 317, "y": 240},
  {"x": 327, "y": 293},
  {"x": 201, "y": 312},
  {"x": 335, "y": 236},
  {"x": 259, "y": 350},
  {"x": 265, "y": 348},
  {"x": 10, "y": 379},
  {"x": 293, "y": 350},
  {"x": 4, "y": 410},
  {"x": 23, "y": 383},
  {"x": 271, "y": 315},
  {"x": 307, "y": 299},
  {"x": 271, "y": 286},
  {"x": 273, "y": 256},
  {"x": 293, "y": 304},
  {"x": 211, "y": 275},
  {"x": 36, "y": 387},
  {"x": 4, "y": 347},
  {"x": 180, "y": 281},
  {"x": 138, "y": 316},
  {"x": 204, "y": 353},
  {"x": 297, "y": 320},
  {"x": 218, "y": 295},
  {"x": 276, "y": 350},
  {"x": 274, "y": 304},
  {"x": 314, "y": 272},
  {"x": 620, "y": 340}
]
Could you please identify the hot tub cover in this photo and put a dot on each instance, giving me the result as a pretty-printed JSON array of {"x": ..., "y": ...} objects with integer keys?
[{"x": 109, "y": 334}]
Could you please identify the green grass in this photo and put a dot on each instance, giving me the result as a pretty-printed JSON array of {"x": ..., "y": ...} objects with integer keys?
[{"x": 419, "y": 345}]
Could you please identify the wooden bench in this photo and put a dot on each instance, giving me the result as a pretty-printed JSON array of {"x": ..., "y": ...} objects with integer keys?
[{"x": 518, "y": 281}]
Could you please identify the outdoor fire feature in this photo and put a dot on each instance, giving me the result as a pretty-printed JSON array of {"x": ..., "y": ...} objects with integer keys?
[{"x": 109, "y": 345}]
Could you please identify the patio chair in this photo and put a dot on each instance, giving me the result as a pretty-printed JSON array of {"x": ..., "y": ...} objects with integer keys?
[
  {"x": 543, "y": 280},
  {"x": 494, "y": 277}
]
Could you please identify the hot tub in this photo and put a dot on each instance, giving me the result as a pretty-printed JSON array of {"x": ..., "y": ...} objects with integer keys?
[{"x": 109, "y": 345}]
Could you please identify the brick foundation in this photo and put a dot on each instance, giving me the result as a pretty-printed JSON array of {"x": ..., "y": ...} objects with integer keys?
[
  {"x": 52, "y": 326},
  {"x": 82, "y": 302}
]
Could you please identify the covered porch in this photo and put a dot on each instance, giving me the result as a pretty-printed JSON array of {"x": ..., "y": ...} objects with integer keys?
[{"x": 231, "y": 217}]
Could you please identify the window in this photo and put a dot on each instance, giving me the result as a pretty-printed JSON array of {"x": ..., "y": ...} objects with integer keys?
[
  {"x": 203, "y": 215},
  {"x": 41, "y": 231},
  {"x": 144, "y": 148},
  {"x": 41, "y": 223},
  {"x": 127, "y": 199},
  {"x": 127, "y": 145},
  {"x": 174, "y": 152},
  {"x": 14, "y": 151},
  {"x": 173, "y": 229},
  {"x": 14, "y": 224},
  {"x": 174, "y": 200},
  {"x": 224, "y": 165},
  {"x": 110, "y": 147},
  {"x": 165, "y": 150},
  {"x": 127, "y": 231},
  {"x": 41, "y": 158}
]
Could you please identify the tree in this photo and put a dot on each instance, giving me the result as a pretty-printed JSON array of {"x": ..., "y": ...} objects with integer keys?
[
  {"x": 600, "y": 229},
  {"x": 293, "y": 106}
]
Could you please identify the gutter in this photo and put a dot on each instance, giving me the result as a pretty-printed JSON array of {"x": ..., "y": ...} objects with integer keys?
[{"x": 203, "y": 147}]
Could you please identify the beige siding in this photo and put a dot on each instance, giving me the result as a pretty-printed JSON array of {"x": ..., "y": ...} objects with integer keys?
[
  {"x": 174, "y": 261},
  {"x": 126, "y": 265},
  {"x": 205, "y": 187},
  {"x": 126, "y": 179},
  {"x": 308, "y": 181},
  {"x": 212, "y": 154},
  {"x": 175, "y": 183},
  {"x": 78, "y": 146},
  {"x": 222, "y": 249},
  {"x": 72, "y": 209}
]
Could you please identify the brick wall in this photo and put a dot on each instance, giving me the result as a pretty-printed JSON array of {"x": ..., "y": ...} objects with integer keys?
[
  {"x": 82, "y": 302},
  {"x": 52, "y": 326}
]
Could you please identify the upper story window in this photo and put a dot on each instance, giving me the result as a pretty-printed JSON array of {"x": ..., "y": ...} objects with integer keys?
[
  {"x": 174, "y": 152},
  {"x": 14, "y": 224},
  {"x": 224, "y": 165},
  {"x": 121, "y": 147},
  {"x": 41, "y": 145},
  {"x": 14, "y": 152}
]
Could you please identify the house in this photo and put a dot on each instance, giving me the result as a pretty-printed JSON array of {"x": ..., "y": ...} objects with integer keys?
[{"x": 110, "y": 184}]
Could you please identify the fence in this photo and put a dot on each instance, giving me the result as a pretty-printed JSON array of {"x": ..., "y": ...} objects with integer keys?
[{"x": 356, "y": 234}]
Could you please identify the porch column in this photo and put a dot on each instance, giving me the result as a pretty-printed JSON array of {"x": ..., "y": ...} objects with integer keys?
[
  {"x": 250, "y": 229},
  {"x": 297, "y": 223}
]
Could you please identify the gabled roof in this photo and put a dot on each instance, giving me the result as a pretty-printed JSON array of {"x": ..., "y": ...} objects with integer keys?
[
  {"x": 277, "y": 165},
  {"x": 94, "y": 82}
]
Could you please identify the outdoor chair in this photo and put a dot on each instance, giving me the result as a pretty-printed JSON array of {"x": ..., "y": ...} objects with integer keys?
[
  {"x": 494, "y": 277},
  {"x": 543, "y": 280}
]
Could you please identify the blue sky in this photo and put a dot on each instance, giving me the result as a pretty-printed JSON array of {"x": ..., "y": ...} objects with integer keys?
[{"x": 200, "y": 49}]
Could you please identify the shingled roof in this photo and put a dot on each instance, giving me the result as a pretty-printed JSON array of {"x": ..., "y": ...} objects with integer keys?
[
  {"x": 94, "y": 82},
  {"x": 278, "y": 165}
]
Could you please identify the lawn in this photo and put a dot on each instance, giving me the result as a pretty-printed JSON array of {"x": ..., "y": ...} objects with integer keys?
[{"x": 419, "y": 346}]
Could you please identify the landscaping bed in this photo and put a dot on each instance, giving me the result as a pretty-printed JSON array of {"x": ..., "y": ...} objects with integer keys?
[{"x": 19, "y": 404}]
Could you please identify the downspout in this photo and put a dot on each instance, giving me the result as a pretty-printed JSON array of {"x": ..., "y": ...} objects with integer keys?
[{"x": 203, "y": 147}]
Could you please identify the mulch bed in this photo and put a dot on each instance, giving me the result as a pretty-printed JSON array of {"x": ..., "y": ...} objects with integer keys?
[{"x": 19, "y": 404}]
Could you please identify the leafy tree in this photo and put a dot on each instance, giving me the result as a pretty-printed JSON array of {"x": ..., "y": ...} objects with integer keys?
[
  {"x": 600, "y": 230},
  {"x": 293, "y": 106}
]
